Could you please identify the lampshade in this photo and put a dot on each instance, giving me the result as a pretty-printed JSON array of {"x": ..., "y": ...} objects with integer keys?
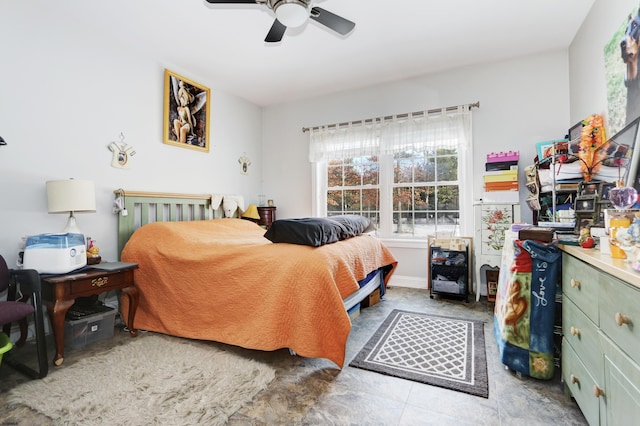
[
  {"x": 291, "y": 13},
  {"x": 251, "y": 212},
  {"x": 69, "y": 196}
]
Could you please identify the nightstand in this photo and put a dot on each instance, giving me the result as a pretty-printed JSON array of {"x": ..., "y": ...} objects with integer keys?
[
  {"x": 60, "y": 292},
  {"x": 267, "y": 216}
]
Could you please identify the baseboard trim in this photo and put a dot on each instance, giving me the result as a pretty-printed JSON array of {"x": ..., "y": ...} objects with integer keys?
[{"x": 408, "y": 281}]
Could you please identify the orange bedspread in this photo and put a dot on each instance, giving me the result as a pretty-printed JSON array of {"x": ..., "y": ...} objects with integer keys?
[{"x": 221, "y": 280}]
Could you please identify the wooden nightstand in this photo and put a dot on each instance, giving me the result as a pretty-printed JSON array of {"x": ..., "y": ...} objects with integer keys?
[
  {"x": 60, "y": 292},
  {"x": 267, "y": 216}
]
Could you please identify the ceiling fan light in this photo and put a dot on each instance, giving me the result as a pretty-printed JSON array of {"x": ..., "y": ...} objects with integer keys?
[{"x": 291, "y": 14}]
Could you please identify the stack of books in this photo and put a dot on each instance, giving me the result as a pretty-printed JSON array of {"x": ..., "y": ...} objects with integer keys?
[{"x": 501, "y": 177}]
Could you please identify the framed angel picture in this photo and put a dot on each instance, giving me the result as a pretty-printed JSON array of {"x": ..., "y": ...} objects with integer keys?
[{"x": 186, "y": 112}]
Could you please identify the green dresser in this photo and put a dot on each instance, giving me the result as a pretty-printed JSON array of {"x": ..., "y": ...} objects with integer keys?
[{"x": 601, "y": 346}]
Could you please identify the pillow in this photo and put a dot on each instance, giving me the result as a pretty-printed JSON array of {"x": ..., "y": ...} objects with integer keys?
[
  {"x": 317, "y": 231},
  {"x": 355, "y": 225},
  {"x": 310, "y": 231}
]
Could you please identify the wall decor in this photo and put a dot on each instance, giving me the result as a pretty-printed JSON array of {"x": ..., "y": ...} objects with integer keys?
[
  {"x": 122, "y": 153},
  {"x": 621, "y": 68},
  {"x": 244, "y": 164},
  {"x": 186, "y": 112}
]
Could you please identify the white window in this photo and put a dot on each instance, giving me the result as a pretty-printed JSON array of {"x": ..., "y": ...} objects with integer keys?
[
  {"x": 406, "y": 174},
  {"x": 426, "y": 193}
]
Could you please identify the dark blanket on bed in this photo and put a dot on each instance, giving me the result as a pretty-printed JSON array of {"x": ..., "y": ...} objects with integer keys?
[{"x": 317, "y": 231}]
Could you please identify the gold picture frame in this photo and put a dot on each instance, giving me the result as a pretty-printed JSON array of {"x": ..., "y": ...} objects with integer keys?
[{"x": 186, "y": 112}]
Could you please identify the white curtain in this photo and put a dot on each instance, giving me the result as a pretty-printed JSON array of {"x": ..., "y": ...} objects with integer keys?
[
  {"x": 351, "y": 140},
  {"x": 445, "y": 128}
]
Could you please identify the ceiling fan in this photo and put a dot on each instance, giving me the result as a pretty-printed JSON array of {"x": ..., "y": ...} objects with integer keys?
[{"x": 294, "y": 13}]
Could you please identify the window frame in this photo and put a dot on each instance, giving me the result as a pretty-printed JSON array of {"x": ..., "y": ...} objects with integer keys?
[{"x": 385, "y": 229}]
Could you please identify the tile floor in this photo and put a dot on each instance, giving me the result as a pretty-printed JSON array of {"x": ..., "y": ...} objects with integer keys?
[{"x": 315, "y": 392}]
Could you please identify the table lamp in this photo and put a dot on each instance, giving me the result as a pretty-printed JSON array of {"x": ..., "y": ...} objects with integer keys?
[
  {"x": 71, "y": 196},
  {"x": 251, "y": 213}
]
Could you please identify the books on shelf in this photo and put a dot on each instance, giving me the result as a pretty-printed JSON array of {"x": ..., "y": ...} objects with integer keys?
[
  {"x": 501, "y": 186},
  {"x": 501, "y": 165},
  {"x": 501, "y": 176}
]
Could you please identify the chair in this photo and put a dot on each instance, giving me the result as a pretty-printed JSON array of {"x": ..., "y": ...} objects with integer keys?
[{"x": 23, "y": 285}]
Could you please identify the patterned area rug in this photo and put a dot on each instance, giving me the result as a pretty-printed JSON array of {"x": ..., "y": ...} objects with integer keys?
[
  {"x": 151, "y": 380},
  {"x": 436, "y": 350}
]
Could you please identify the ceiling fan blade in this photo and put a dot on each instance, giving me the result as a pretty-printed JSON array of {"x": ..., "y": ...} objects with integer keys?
[
  {"x": 276, "y": 32},
  {"x": 231, "y": 1},
  {"x": 331, "y": 20}
]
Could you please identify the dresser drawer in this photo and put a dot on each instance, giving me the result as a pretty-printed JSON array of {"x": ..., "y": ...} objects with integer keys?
[
  {"x": 580, "y": 283},
  {"x": 580, "y": 383},
  {"x": 582, "y": 335},
  {"x": 103, "y": 282},
  {"x": 621, "y": 386},
  {"x": 619, "y": 314}
]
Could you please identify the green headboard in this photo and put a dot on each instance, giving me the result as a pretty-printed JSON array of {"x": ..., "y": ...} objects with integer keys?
[{"x": 146, "y": 207}]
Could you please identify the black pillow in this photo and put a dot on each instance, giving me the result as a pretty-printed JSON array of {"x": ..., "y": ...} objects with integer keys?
[
  {"x": 317, "y": 231},
  {"x": 354, "y": 225},
  {"x": 310, "y": 231}
]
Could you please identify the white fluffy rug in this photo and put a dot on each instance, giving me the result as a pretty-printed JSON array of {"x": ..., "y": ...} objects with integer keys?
[{"x": 152, "y": 379}]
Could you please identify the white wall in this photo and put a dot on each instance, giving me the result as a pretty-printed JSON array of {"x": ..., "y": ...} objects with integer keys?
[
  {"x": 522, "y": 102},
  {"x": 65, "y": 94}
]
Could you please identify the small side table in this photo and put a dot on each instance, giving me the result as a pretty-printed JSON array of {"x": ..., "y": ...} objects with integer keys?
[
  {"x": 60, "y": 292},
  {"x": 267, "y": 216}
]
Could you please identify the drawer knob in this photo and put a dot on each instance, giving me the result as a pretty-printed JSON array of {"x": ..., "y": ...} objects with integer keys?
[
  {"x": 575, "y": 331},
  {"x": 575, "y": 283},
  {"x": 621, "y": 319},
  {"x": 99, "y": 282},
  {"x": 574, "y": 379},
  {"x": 597, "y": 391}
]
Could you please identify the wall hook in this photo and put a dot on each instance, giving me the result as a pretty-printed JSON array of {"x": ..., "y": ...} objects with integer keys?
[{"x": 2, "y": 141}]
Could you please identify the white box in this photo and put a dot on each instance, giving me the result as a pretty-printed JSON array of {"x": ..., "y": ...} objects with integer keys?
[{"x": 55, "y": 253}]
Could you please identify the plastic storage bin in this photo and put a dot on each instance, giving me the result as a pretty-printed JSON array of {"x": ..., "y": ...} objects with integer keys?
[
  {"x": 5, "y": 345},
  {"x": 88, "y": 329}
]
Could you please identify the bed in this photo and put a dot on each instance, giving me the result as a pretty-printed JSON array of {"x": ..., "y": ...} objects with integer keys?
[{"x": 220, "y": 279}]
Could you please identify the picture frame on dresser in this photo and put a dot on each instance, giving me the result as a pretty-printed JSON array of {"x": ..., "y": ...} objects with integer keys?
[
  {"x": 628, "y": 164},
  {"x": 585, "y": 221},
  {"x": 603, "y": 194},
  {"x": 186, "y": 114},
  {"x": 586, "y": 189},
  {"x": 586, "y": 204},
  {"x": 575, "y": 131}
]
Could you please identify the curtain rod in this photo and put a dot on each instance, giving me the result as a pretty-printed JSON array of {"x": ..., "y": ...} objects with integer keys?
[{"x": 406, "y": 114}]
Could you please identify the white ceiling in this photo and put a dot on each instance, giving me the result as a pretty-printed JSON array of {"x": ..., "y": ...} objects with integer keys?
[{"x": 392, "y": 40}]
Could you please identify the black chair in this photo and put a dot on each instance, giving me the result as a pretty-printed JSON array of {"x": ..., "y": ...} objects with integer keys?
[{"x": 23, "y": 285}]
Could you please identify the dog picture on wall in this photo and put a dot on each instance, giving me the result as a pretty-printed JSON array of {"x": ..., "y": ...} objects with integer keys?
[{"x": 622, "y": 73}]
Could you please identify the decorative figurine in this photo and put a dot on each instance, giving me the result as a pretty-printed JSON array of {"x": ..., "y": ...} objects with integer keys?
[{"x": 586, "y": 240}]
